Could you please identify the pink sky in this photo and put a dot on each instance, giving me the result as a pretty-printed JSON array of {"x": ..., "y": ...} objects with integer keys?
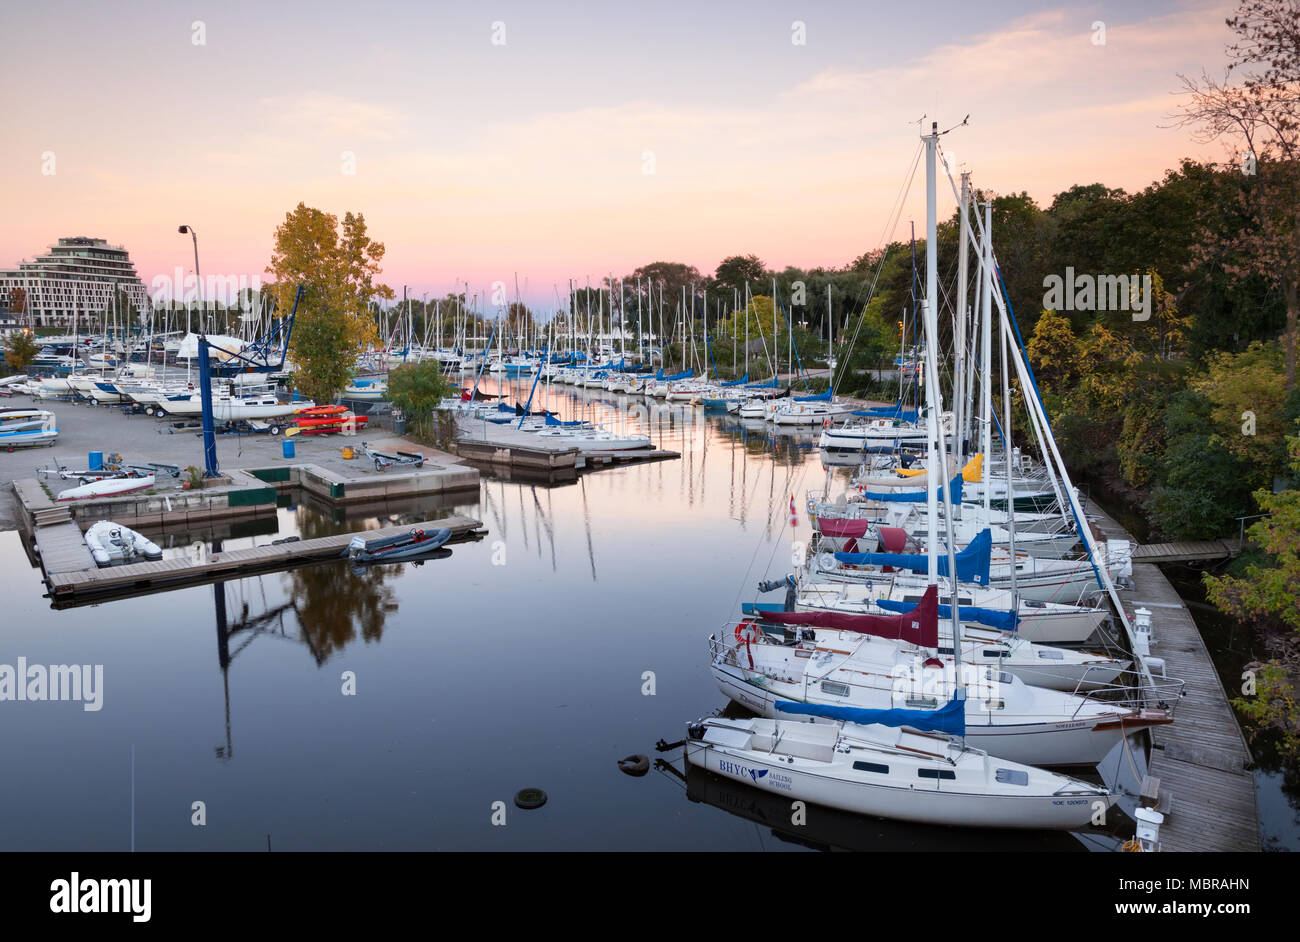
[{"x": 563, "y": 155}]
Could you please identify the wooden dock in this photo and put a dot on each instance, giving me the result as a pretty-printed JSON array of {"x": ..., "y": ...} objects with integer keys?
[
  {"x": 1186, "y": 552},
  {"x": 1201, "y": 759},
  {"x": 504, "y": 446},
  {"x": 74, "y": 579}
]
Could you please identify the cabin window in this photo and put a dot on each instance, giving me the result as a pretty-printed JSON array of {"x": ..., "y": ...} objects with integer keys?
[
  {"x": 1052, "y": 655},
  {"x": 992, "y": 706},
  {"x": 936, "y": 773},
  {"x": 995, "y": 652},
  {"x": 871, "y": 767},
  {"x": 1013, "y": 776},
  {"x": 945, "y": 650},
  {"x": 834, "y": 689},
  {"x": 999, "y": 677},
  {"x": 923, "y": 703}
]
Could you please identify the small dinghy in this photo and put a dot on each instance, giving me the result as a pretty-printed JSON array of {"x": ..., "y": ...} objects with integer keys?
[
  {"x": 111, "y": 543},
  {"x": 410, "y": 545},
  {"x": 108, "y": 487}
]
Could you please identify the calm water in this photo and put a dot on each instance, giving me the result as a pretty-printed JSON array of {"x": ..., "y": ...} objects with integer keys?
[{"x": 519, "y": 661}]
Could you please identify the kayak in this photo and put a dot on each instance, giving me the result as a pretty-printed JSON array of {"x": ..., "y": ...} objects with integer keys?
[{"x": 109, "y": 487}]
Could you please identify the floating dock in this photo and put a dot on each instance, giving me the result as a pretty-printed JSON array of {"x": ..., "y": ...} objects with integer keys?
[
  {"x": 1202, "y": 760},
  {"x": 73, "y": 578},
  {"x": 503, "y": 446}
]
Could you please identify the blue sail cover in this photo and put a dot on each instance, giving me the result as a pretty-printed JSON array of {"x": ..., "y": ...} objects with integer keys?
[
  {"x": 770, "y": 384},
  {"x": 903, "y": 415},
  {"x": 950, "y": 718},
  {"x": 992, "y": 617},
  {"x": 820, "y": 397},
  {"x": 972, "y": 563},
  {"x": 553, "y": 421},
  {"x": 916, "y": 497},
  {"x": 737, "y": 382}
]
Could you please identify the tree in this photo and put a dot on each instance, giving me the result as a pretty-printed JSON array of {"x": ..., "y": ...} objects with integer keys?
[
  {"x": 1268, "y": 590},
  {"x": 338, "y": 270},
  {"x": 416, "y": 389},
  {"x": 737, "y": 271},
  {"x": 1261, "y": 114},
  {"x": 1248, "y": 403},
  {"x": 20, "y": 349},
  {"x": 667, "y": 278}
]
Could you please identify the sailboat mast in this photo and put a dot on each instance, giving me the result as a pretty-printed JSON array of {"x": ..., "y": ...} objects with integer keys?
[
  {"x": 986, "y": 369},
  {"x": 936, "y": 457},
  {"x": 959, "y": 405}
]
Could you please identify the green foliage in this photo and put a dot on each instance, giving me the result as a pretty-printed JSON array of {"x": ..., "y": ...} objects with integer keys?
[
  {"x": 1201, "y": 486},
  {"x": 1269, "y": 590},
  {"x": 416, "y": 389},
  {"x": 1273, "y": 706},
  {"x": 20, "y": 349},
  {"x": 738, "y": 271}
]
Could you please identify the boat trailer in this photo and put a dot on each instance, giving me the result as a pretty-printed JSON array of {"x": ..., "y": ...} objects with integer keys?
[{"x": 384, "y": 459}]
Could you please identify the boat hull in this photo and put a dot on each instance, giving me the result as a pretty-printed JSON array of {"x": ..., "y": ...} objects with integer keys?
[{"x": 795, "y": 777}]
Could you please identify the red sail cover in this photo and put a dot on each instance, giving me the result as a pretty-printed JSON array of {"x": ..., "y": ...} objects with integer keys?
[
  {"x": 841, "y": 528},
  {"x": 920, "y": 626}
]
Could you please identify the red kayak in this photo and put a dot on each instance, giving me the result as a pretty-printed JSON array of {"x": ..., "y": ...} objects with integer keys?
[{"x": 328, "y": 423}]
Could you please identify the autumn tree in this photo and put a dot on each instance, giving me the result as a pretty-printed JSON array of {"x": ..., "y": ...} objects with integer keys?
[
  {"x": 20, "y": 349},
  {"x": 337, "y": 267}
]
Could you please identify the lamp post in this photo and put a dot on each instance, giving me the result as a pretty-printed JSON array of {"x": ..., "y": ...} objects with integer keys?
[{"x": 189, "y": 230}]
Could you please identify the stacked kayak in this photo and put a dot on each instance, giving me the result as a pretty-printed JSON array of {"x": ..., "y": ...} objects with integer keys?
[
  {"x": 326, "y": 420},
  {"x": 110, "y": 543}
]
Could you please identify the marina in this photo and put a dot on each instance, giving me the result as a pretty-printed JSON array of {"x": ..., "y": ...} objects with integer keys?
[{"x": 736, "y": 434}]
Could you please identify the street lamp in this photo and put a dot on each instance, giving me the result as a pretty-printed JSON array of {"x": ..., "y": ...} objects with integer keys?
[{"x": 184, "y": 230}]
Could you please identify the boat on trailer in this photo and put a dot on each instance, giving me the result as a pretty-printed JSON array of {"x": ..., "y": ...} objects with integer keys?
[{"x": 108, "y": 487}]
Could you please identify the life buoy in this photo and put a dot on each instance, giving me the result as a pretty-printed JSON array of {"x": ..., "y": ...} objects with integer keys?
[{"x": 747, "y": 632}]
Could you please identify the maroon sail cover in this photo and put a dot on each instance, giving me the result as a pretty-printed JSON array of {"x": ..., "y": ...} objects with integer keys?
[
  {"x": 893, "y": 540},
  {"x": 840, "y": 528},
  {"x": 919, "y": 626}
]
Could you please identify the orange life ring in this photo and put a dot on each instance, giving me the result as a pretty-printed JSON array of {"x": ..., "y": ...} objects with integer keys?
[{"x": 747, "y": 632}]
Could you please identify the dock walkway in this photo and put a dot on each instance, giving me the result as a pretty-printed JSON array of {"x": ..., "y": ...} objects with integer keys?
[
  {"x": 1201, "y": 759},
  {"x": 70, "y": 584}
]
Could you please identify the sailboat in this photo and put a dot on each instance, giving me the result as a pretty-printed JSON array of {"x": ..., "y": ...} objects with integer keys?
[{"x": 891, "y": 772}]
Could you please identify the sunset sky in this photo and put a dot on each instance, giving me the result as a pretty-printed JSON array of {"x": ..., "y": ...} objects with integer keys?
[{"x": 598, "y": 137}]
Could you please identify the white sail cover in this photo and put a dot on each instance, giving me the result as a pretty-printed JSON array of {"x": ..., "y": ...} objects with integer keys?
[{"x": 190, "y": 346}]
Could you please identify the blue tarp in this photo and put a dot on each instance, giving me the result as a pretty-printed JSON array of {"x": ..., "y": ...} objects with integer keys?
[
  {"x": 950, "y": 718},
  {"x": 992, "y": 617},
  {"x": 820, "y": 397},
  {"x": 770, "y": 384},
  {"x": 972, "y": 563},
  {"x": 738, "y": 382},
  {"x": 916, "y": 497}
]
